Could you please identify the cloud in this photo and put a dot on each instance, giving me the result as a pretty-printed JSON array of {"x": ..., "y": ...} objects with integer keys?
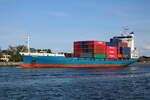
[
  {"x": 147, "y": 47},
  {"x": 58, "y": 14}
]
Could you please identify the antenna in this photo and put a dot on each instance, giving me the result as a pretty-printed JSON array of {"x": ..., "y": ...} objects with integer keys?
[{"x": 125, "y": 29}]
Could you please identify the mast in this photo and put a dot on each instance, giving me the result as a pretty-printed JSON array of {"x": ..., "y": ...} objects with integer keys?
[{"x": 28, "y": 41}]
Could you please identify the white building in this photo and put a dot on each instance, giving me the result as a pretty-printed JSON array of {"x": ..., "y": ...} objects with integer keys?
[{"x": 5, "y": 58}]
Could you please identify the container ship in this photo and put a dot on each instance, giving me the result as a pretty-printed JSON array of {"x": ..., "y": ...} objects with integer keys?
[{"x": 120, "y": 51}]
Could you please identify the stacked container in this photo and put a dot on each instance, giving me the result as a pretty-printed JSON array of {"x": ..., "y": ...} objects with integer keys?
[
  {"x": 77, "y": 49},
  {"x": 123, "y": 51},
  {"x": 88, "y": 49},
  {"x": 100, "y": 49},
  {"x": 111, "y": 52}
]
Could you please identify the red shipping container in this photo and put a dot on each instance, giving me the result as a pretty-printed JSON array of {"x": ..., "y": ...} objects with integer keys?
[
  {"x": 90, "y": 42},
  {"x": 118, "y": 51},
  {"x": 111, "y": 52},
  {"x": 111, "y": 56},
  {"x": 81, "y": 51},
  {"x": 90, "y": 46},
  {"x": 122, "y": 56},
  {"x": 100, "y": 47},
  {"x": 76, "y": 46},
  {"x": 96, "y": 51},
  {"x": 78, "y": 51},
  {"x": 80, "y": 47},
  {"x": 124, "y": 44},
  {"x": 111, "y": 48},
  {"x": 100, "y": 43},
  {"x": 96, "y": 43},
  {"x": 76, "y": 43}
]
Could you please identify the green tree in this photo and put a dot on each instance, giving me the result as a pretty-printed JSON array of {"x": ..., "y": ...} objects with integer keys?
[
  {"x": 14, "y": 52},
  {"x": 1, "y": 53},
  {"x": 49, "y": 51}
]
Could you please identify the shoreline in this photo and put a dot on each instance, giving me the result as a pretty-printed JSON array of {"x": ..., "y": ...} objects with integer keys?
[{"x": 10, "y": 63}]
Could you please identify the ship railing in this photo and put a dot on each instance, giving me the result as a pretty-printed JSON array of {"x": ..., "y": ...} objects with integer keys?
[{"x": 40, "y": 54}]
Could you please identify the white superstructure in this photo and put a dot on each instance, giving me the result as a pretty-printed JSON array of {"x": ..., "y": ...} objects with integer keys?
[{"x": 130, "y": 39}]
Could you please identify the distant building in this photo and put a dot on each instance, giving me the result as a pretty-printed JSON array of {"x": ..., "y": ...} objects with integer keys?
[{"x": 5, "y": 58}]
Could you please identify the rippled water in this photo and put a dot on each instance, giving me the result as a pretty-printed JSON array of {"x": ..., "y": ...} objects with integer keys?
[{"x": 129, "y": 83}]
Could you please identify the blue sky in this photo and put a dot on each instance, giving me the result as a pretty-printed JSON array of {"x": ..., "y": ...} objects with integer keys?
[{"x": 56, "y": 24}]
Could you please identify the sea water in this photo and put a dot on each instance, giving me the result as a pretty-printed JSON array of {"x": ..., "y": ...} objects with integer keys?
[{"x": 128, "y": 83}]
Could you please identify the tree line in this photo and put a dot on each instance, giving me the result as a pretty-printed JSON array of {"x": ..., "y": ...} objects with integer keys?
[{"x": 14, "y": 52}]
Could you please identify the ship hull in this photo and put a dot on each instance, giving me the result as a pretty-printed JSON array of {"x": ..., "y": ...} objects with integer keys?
[
  {"x": 64, "y": 62},
  {"x": 72, "y": 65}
]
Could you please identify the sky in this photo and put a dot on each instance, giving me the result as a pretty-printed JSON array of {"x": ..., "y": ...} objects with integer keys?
[{"x": 55, "y": 24}]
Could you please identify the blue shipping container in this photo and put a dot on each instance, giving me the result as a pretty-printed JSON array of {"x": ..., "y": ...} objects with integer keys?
[
  {"x": 125, "y": 50},
  {"x": 115, "y": 40},
  {"x": 111, "y": 44}
]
